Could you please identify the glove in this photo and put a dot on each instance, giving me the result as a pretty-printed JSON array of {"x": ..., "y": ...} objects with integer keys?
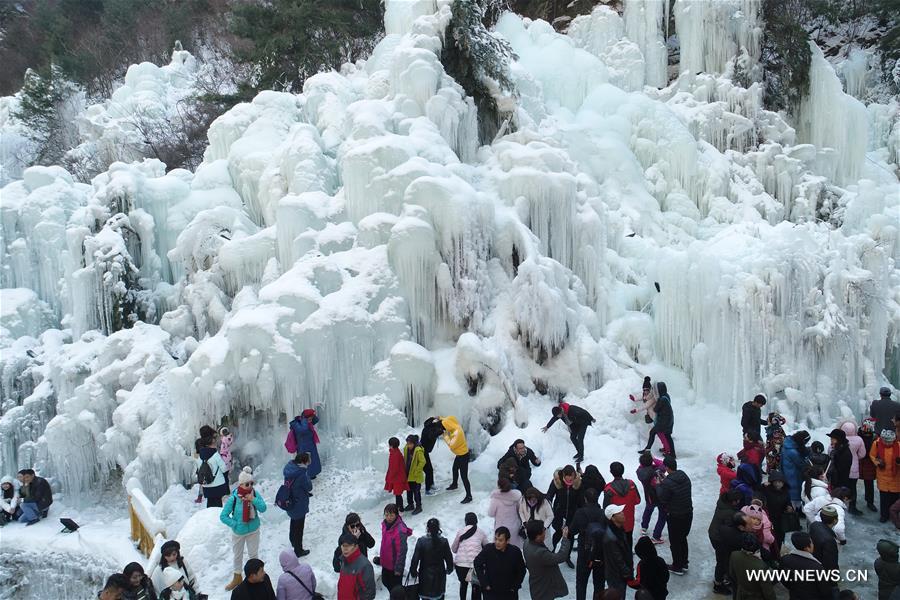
[
  {"x": 633, "y": 399},
  {"x": 843, "y": 542},
  {"x": 376, "y": 561},
  {"x": 633, "y": 410},
  {"x": 414, "y": 573}
]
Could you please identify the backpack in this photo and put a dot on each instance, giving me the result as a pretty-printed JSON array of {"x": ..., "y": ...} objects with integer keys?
[
  {"x": 284, "y": 498},
  {"x": 290, "y": 442},
  {"x": 205, "y": 475}
]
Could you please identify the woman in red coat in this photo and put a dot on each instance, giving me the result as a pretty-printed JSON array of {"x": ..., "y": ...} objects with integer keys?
[{"x": 395, "y": 481}]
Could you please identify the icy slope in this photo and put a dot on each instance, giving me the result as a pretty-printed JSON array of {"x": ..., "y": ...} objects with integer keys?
[{"x": 354, "y": 247}]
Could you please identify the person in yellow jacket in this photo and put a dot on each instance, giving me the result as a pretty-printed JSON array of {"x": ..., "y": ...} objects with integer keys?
[
  {"x": 414, "y": 455},
  {"x": 455, "y": 438}
]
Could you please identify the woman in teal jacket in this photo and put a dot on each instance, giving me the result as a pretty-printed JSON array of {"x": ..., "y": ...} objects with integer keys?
[{"x": 241, "y": 514}]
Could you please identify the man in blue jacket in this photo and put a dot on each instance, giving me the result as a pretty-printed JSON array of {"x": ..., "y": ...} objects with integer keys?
[
  {"x": 296, "y": 472},
  {"x": 793, "y": 462}
]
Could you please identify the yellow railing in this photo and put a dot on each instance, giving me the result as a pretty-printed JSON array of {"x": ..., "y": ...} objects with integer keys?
[
  {"x": 139, "y": 534},
  {"x": 144, "y": 526}
]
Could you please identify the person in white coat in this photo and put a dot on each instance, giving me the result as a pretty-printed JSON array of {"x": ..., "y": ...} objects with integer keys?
[
  {"x": 465, "y": 547},
  {"x": 534, "y": 507},
  {"x": 504, "y": 507},
  {"x": 212, "y": 481},
  {"x": 815, "y": 484},
  {"x": 857, "y": 453},
  {"x": 9, "y": 500},
  {"x": 838, "y": 499}
]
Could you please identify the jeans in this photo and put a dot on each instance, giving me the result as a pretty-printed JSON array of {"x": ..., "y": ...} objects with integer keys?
[
  {"x": 576, "y": 434},
  {"x": 679, "y": 528},
  {"x": 296, "y": 534},
  {"x": 461, "y": 468},
  {"x": 461, "y": 573},
  {"x": 414, "y": 495},
  {"x": 31, "y": 513},
  {"x": 429, "y": 472},
  {"x": 660, "y": 518},
  {"x": 583, "y": 573}
]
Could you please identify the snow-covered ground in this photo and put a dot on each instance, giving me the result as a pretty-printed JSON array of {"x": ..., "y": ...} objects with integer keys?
[{"x": 700, "y": 434}]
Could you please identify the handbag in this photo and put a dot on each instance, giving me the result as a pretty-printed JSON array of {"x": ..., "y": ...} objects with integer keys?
[
  {"x": 315, "y": 595},
  {"x": 410, "y": 590},
  {"x": 648, "y": 419},
  {"x": 790, "y": 521}
]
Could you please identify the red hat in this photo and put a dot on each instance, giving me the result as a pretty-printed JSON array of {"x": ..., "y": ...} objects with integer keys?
[{"x": 308, "y": 412}]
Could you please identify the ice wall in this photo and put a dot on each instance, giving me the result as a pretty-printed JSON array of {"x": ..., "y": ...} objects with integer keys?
[{"x": 351, "y": 248}]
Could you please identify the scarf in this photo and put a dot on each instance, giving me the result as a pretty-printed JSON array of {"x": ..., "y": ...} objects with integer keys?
[
  {"x": 176, "y": 594},
  {"x": 308, "y": 415},
  {"x": 881, "y": 447},
  {"x": 247, "y": 510}
]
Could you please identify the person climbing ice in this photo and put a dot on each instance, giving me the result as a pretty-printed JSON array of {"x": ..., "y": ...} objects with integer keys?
[
  {"x": 303, "y": 437},
  {"x": 577, "y": 420}
]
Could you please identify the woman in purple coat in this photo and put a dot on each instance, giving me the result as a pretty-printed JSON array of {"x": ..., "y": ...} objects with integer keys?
[{"x": 298, "y": 581}]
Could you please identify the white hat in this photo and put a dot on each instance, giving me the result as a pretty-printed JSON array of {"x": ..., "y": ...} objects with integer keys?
[
  {"x": 171, "y": 575},
  {"x": 7, "y": 479},
  {"x": 613, "y": 509},
  {"x": 246, "y": 476}
]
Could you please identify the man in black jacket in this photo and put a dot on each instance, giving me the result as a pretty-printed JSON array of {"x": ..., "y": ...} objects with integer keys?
[
  {"x": 728, "y": 540},
  {"x": 588, "y": 525},
  {"x": 36, "y": 497},
  {"x": 617, "y": 554},
  {"x": 727, "y": 507},
  {"x": 500, "y": 568},
  {"x": 801, "y": 559},
  {"x": 431, "y": 431},
  {"x": 674, "y": 493},
  {"x": 883, "y": 410},
  {"x": 825, "y": 544},
  {"x": 524, "y": 457},
  {"x": 751, "y": 414},
  {"x": 577, "y": 419},
  {"x": 256, "y": 584},
  {"x": 841, "y": 460}
]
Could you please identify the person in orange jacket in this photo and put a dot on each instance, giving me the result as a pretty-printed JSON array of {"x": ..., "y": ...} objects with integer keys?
[
  {"x": 395, "y": 481},
  {"x": 885, "y": 453}
]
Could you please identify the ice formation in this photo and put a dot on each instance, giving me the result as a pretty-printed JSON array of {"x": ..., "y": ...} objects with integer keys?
[{"x": 352, "y": 248}]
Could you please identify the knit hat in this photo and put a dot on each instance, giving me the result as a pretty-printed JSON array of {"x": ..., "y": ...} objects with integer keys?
[
  {"x": 726, "y": 459},
  {"x": 888, "y": 436},
  {"x": 839, "y": 435},
  {"x": 613, "y": 509},
  {"x": 868, "y": 425},
  {"x": 828, "y": 511},
  {"x": 171, "y": 575},
  {"x": 885, "y": 392},
  {"x": 308, "y": 412},
  {"x": 246, "y": 476},
  {"x": 7, "y": 479},
  {"x": 647, "y": 385},
  {"x": 348, "y": 538},
  {"x": 223, "y": 431},
  {"x": 801, "y": 437},
  {"x": 749, "y": 543}
]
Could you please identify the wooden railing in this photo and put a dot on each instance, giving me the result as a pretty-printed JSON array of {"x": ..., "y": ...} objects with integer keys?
[{"x": 145, "y": 527}]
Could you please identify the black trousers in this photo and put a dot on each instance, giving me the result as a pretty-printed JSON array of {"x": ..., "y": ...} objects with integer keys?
[
  {"x": 884, "y": 502},
  {"x": 390, "y": 579},
  {"x": 869, "y": 486},
  {"x": 414, "y": 495},
  {"x": 583, "y": 573},
  {"x": 576, "y": 434},
  {"x": 851, "y": 485},
  {"x": 217, "y": 501},
  {"x": 679, "y": 528},
  {"x": 461, "y": 469},
  {"x": 461, "y": 573},
  {"x": 721, "y": 571},
  {"x": 296, "y": 534},
  {"x": 429, "y": 472}
]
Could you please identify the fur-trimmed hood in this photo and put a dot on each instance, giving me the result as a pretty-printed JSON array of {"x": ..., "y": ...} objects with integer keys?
[{"x": 558, "y": 480}]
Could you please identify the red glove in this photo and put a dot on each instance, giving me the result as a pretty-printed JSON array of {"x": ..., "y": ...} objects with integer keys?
[
  {"x": 633, "y": 410},
  {"x": 633, "y": 399}
]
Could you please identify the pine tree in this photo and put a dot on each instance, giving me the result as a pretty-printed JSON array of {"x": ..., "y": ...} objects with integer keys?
[
  {"x": 40, "y": 103},
  {"x": 479, "y": 61}
]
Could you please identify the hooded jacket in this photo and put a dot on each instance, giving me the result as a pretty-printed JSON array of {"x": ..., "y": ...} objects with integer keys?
[
  {"x": 303, "y": 428},
  {"x": 722, "y": 516},
  {"x": 740, "y": 566},
  {"x": 650, "y": 477},
  {"x": 393, "y": 545},
  {"x": 764, "y": 531},
  {"x": 564, "y": 499},
  {"x": 232, "y": 510},
  {"x": 887, "y": 568},
  {"x": 466, "y": 550},
  {"x": 288, "y": 586},
  {"x": 623, "y": 492},
  {"x": 746, "y": 482},
  {"x": 812, "y": 588},
  {"x": 857, "y": 447},
  {"x": 395, "y": 480},
  {"x": 813, "y": 508},
  {"x": 357, "y": 578},
  {"x": 301, "y": 487},
  {"x": 545, "y": 580},
  {"x": 454, "y": 436},
  {"x": 726, "y": 476},
  {"x": 665, "y": 416},
  {"x": 504, "y": 508},
  {"x": 817, "y": 489},
  {"x": 792, "y": 465},
  {"x": 10, "y": 505},
  {"x": 751, "y": 417},
  {"x": 674, "y": 493},
  {"x": 431, "y": 431},
  {"x": 652, "y": 574},
  {"x": 415, "y": 465}
]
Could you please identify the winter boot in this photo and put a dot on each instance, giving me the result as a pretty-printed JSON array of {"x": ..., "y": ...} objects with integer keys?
[
  {"x": 871, "y": 506},
  {"x": 721, "y": 588},
  {"x": 235, "y": 581},
  {"x": 853, "y": 510}
]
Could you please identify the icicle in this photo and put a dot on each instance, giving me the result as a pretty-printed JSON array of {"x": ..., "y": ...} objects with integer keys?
[{"x": 643, "y": 25}]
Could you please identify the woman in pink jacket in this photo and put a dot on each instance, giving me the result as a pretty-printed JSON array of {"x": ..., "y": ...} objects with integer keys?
[
  {"x": 504, "y": 508},
  {"x": 466, "y": 546},
  {"x": 857, "y": 452}
]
